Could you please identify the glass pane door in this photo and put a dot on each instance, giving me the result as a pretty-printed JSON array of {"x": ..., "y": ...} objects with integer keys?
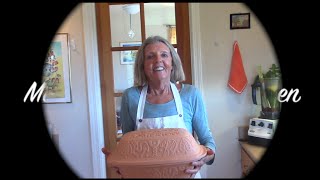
[
  {"x": 125, "y": 24},
  {"x": 160, "y": 20}
]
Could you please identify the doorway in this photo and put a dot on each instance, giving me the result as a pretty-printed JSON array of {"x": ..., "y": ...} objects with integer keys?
[{"x": 120, "y": 31}]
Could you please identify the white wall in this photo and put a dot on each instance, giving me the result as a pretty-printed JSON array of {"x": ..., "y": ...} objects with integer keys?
[
  {"x": 226, "y": 109},
  {"x": 72, "y": 119}
]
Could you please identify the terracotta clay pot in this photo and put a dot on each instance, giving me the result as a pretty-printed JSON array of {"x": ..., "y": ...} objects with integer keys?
[{"x": 156, "y": 153}]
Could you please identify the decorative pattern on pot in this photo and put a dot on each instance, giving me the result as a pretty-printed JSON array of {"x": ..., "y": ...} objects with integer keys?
[{"x": 156, "y": 153}]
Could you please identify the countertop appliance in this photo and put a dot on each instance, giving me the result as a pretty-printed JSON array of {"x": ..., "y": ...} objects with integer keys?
[
  {"x": 261, "y": 131},
  {"x": 269, "y": 89},
  {"x": 262, "y": 128}
]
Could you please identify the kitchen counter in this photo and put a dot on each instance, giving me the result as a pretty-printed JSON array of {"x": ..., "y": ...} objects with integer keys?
[
  {"x": 253, "y": 151},
  {"x": 250, "y": 156}
]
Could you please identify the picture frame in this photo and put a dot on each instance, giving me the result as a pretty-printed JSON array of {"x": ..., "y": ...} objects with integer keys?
[
  {"x": 240, "y": 21},
  {"x": 56, "y": 71},
  {"x": 128, "y": 57}
]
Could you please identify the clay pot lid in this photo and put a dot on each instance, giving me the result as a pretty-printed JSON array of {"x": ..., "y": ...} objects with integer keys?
[{"x": 156, "y": 147}]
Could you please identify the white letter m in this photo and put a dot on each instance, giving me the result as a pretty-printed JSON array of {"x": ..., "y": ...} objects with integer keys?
[{"x": 32, "y": 90}]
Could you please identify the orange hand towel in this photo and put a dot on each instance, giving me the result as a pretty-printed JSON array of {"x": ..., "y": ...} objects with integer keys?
[{"x": 237, "y": 79}]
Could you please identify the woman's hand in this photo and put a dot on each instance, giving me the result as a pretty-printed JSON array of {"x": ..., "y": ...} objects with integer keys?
[
  {"x": 198, "y": 164},
  {"x": 107, "y": 153}
]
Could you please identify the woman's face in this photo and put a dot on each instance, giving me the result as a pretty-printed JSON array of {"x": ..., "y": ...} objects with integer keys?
[{"x": 158, "y": 62}]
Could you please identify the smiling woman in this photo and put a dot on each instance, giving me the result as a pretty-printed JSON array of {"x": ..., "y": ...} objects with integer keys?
[
  {"x": 159, "y": 52},
  {"x": 160, "y": 100},
  {"x": 158, "y": 63}
]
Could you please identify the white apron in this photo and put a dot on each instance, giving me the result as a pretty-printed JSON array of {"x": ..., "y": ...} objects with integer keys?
[{"x": 174, "y": 121}]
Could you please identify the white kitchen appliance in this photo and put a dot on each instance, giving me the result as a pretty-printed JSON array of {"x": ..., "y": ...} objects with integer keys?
[{"x": 261, "y": 131}]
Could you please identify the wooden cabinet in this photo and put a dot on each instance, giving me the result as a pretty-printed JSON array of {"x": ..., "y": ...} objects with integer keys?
[
  {"x": 246, "y": 163},
  {"x": 250, "y": 155}
]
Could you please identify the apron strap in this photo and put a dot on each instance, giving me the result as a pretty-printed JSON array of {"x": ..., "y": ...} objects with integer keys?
[
  {"x": 141, "y": 103},
  {"x": 177, "y": 99},
  {"x": 143, "y": 96}
]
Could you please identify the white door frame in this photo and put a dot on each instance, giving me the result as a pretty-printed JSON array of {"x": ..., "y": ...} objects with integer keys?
[
  {"x": 195, "y": 43},
  {"x": 93, "y": 77},
  {"x": 93, "y": 87}
]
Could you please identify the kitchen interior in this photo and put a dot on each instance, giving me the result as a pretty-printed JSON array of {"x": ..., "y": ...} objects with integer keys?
[{"x": 242, "y": 124}]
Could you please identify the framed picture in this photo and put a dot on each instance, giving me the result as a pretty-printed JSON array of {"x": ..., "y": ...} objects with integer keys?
[
  {"x": 56, "y": 71},
  {"x": 128, "y": 57},
  {"x": 240, "y": 21}
]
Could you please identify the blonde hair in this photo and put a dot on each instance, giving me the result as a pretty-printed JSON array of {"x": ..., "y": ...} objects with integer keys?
[{"x": 177, "y": 73}]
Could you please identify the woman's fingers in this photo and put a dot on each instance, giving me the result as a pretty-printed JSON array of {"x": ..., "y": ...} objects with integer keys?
[
  {"x": 196, "y": 166},
  {"x": 209, "y": 156},
  {"x": 198, "y": 163},
  {"x": 193, "y": 171},
  {"x": 105, "y": 151},
  {"x": 117, "y": 170},
  {"x": 209, "y": 151}
]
